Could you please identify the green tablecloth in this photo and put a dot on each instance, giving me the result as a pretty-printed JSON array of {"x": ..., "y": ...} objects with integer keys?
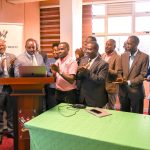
[{"x": 84, "y": 131}]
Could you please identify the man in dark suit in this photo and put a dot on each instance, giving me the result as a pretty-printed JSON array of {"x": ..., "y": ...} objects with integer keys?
[
  {"x": 134, "y": 66},
  {"x": 92, "y": 73},
  {"x": 6, "y": 70}
]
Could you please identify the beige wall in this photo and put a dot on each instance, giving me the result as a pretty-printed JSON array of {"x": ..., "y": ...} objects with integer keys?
[{"x": 27, "y": 14}]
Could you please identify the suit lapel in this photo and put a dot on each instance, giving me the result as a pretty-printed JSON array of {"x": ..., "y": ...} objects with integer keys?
[
  {"x": 95, "y": 62},
  {"x": 134, "y": 62},
  {"x": 7, "y": 60},
  {"x": 112, "y": 58},
  {"x": 126, "y": 63}
]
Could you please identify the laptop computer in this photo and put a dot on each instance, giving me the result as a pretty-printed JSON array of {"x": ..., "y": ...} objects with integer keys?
[{"x": 32, "y": 71}]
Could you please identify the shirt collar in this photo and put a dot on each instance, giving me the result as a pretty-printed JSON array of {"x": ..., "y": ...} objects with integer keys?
[
  {"x": 110, "y": 53},
  {"x": 3, "y": 55},
  {"x": 65, "y": 58},
  {"x": 95, "y": 57},
  {"x": 28, "y": 55},
  {"x": 134, "y": 54}
]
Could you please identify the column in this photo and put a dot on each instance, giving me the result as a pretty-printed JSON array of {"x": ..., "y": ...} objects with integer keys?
[{"x": 71, "y": 23}]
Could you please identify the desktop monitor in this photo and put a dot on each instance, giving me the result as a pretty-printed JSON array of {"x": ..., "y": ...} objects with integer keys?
[{"x": 32, "y": 71}]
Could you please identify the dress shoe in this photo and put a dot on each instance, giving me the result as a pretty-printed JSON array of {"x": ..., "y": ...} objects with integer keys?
[
  {"x": 10, "y": 135},
  {"x": 1, "y": 138}
]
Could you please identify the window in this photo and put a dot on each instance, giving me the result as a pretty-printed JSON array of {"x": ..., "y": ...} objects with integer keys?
[
  {"x": 98, "y": 25},
  {"x": 144, "y": 44},
  {"x": 142, "y": 7},
  {"x": 120, "y": 20},
  {"x": 142, "y": 24},
  {"x": 119, "y": 42},
  {"x": 101, "y": 43},
  {"x": 119, "y": 24},
  {"x": 98, "y": 9}
]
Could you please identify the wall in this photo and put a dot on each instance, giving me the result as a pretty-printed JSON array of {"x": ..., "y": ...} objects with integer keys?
[{"x": 25, "y": 13}]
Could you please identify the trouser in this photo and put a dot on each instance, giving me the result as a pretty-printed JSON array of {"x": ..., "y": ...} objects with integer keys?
[
  {"x": 66, "y": 96},
  {"x": 7, "y": 104},
  {"x": 111, "y": 101},
  {"x": 50, "y": 98},
  {"x": 132, "y": 105},
  {"x": 149, "y": 108},
  {"x": 2, "y": 98}
]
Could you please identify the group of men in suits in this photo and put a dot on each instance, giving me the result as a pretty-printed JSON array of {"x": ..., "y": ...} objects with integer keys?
[
  {"x": 101, "y": 78},
  {"x": 111, "y": 75}
]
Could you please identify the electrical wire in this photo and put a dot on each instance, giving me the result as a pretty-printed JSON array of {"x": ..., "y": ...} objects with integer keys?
[{"x": 67, "y": 108}]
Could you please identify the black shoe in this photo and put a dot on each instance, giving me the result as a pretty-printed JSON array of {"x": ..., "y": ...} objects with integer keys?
[
  {"x": 10, "y": 135},
  {"x": 1, "y": 135}
]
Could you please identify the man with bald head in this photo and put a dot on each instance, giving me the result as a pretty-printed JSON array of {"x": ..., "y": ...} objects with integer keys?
[
  {"x": 112, "y": 58},
  {"x": 6, "y": 70},
  {"x": 92, "y": 73},
  {"x": 134, "y": 66}
]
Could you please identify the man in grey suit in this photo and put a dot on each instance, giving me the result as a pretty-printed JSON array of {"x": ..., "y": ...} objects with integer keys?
[
  {"x": 92, "y": 73},
  {"x": 134, "y": 66},
  {"x": 30, "y": 57},
  {"x": 6, "y": 70}
]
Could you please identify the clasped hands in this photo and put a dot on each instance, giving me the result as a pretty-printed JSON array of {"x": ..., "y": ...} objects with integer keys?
[
  {"x": 54, "y": 69},
  {"x": 3, "y": 62},
  {"x": 121, "y": 81},
  {"x": 83, "y": 67}
]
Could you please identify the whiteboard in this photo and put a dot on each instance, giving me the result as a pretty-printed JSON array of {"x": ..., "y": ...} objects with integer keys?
[{"x": 13, "y": 35}]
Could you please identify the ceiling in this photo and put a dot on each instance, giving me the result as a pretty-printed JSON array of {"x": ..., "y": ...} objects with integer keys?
[{"x": 56, "y": 2}]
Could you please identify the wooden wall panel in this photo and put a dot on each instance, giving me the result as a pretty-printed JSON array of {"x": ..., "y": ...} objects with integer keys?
[
  {"x": 86, "y": 22},
  {"x": 49, "y": 28}
]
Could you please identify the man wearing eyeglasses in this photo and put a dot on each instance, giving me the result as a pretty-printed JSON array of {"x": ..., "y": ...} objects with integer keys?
[{"x": 65, "y": 70}]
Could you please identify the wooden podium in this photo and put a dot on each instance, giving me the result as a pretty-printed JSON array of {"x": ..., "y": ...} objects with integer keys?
[{"x": 27, "y": 93}]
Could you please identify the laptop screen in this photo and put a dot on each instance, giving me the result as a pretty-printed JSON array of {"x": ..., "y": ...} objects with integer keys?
[{"x": 32, "y": 71}]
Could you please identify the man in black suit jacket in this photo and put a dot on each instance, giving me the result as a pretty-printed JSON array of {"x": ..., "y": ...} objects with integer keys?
[{"x": 92, "y": 73}]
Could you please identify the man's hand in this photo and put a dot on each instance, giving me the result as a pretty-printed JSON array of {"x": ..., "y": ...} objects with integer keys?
[
  {"x": 83, "y": 67},
  {"x": 54, "y": 68},
  {"x": 121, "y": 81},
  {"x": 12, "y": 61}
]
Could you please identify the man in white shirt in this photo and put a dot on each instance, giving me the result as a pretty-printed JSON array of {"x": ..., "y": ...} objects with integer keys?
[{"x": 134, "y": 66}]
